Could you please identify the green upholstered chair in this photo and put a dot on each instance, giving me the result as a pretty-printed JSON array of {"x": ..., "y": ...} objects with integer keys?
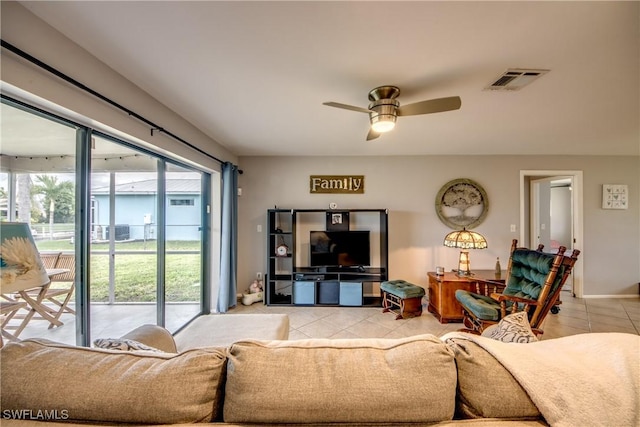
[{"x": 533, "y": 284}]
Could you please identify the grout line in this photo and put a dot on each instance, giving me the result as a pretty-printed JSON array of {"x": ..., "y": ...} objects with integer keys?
[{"x": 630, "y": 319}]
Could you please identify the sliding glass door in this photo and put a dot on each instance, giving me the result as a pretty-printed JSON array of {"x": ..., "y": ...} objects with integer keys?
[
  {"x": 142, "y": 230},
  {"x": 124, "y": 255},
  {"x": 183, "y": 254},
  {"x": 37, "y": 187}
]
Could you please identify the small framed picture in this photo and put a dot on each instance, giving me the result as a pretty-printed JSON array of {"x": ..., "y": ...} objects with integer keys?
[
  {"x": 337, "y": 221},
  {"x": 615, "y": 196}
]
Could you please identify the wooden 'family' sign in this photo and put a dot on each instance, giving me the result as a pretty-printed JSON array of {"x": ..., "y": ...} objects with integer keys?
[{"x": 336, "y": 184}]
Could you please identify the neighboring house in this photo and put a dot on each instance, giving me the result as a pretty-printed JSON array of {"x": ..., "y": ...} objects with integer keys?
[{"x": 137, "y": 210}]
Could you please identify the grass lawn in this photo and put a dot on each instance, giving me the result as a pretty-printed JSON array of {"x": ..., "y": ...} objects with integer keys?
[{"x": 135, "y": 274}]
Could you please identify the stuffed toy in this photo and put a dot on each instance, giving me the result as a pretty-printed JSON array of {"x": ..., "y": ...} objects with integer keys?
[
  {"x": 255, "y": 287},
  {"x": 253, "y": 294}
]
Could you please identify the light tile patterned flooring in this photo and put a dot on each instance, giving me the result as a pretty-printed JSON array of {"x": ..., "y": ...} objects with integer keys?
[{"x": 576, "y": 316}]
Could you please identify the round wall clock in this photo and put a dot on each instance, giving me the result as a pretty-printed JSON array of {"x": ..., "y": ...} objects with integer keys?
[{"x": 462, "y": 203}]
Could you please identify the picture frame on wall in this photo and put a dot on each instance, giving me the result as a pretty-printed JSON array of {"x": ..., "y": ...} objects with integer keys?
[
  {"x": 615, "y": 196},
  {"x": 462, "y": 203}
]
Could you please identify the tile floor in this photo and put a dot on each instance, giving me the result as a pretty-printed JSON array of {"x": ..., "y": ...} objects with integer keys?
[{"x": 576, "y": 316}]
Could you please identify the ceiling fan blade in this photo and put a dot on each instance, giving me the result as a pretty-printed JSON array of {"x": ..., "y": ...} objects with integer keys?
[
  {"x": 431, "y": 106},
  {"x": 372, "y": 135},
  {"x": 346, "y": 107}
]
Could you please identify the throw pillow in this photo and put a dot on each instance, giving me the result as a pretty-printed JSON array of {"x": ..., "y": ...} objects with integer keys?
[
  {"x": 123, "y": 344},
  {"x": 514, "y": 328}
]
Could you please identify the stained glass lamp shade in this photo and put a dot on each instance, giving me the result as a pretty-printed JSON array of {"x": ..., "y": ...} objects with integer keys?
[{"x": 465, "y": 239}]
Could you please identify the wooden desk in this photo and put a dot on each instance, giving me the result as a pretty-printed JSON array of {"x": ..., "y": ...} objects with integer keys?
[{"x": 442, "y": 291}]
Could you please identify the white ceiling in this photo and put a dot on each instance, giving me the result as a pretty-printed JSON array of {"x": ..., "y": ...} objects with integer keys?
[{"x": 253, "y": 75}]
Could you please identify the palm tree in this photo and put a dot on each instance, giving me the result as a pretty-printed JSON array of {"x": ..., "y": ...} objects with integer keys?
[{"x": 54, "y": 192}]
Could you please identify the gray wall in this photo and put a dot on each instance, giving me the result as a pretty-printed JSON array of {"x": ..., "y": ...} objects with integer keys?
[{"x": 407, "y": 186}]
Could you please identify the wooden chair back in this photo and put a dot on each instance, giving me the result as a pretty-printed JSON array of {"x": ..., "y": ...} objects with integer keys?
[
  {"x": 560, "y": 270},
  {"x": 68, "y": 262},
  {"x": 49, "y": 259},
  {"x": 566, "y": 267}
]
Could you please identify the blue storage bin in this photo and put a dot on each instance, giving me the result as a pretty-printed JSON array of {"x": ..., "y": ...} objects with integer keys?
[
  {"x": 304, "y": 292},
  {"x": 351, "y": 293}
]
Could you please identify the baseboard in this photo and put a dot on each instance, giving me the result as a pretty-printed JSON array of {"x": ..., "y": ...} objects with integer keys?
[{"x": 610, "y": 296}]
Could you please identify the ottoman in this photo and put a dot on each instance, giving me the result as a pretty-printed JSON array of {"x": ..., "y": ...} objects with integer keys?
[{"x": 402, "y": 298}]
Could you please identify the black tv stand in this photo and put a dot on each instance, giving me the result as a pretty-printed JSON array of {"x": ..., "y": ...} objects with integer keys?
[{"x": 289, "y": 280}]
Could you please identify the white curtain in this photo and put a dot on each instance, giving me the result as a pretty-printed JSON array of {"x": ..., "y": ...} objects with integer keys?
[{"x": 228, "y": 239}]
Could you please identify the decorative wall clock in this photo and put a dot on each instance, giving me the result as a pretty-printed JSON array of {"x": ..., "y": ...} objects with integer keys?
[
  {"x": 282, "y": 249},
  {"x": 462, "y": 203}
]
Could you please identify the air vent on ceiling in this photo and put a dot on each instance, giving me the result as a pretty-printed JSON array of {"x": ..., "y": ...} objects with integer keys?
[{"x": 515, "y": 79}]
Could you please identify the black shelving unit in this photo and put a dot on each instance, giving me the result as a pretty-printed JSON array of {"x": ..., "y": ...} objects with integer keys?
[
  {"x": 291, "y": 281},
  {"x": 279, "y": 273}
]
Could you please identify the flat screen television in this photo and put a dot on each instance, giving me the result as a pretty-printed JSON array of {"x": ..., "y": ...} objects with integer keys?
[{"x": 340, "y": 248}]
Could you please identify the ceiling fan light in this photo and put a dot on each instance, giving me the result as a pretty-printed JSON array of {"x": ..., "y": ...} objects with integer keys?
[
  {"x": 384, "y": 124},
  {"x": 383, "y": 115}
]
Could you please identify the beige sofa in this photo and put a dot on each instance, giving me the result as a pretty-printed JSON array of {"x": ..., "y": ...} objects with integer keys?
[{"x": 419, "y": 380}]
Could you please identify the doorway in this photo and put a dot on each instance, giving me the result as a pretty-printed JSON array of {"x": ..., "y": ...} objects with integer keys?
[{"x": 551, "y": 214}]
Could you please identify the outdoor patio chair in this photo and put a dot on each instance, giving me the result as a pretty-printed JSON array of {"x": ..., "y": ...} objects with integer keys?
[
  {"x": 58, "y": 295},
  {"x": 49, "y": 259},
  {"x": 62, "y": 286},
  {"x": 533, "y": 284},
  {"x": 8, "y": 309}
]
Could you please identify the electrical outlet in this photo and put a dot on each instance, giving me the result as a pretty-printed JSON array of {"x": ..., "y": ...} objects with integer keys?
[
  {"x": 513, "y": 228},
  {"x": 259, "y": 275}
]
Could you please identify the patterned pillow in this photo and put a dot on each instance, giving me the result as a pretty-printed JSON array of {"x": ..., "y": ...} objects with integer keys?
[
  {"x": 514, "y": 328},
  {"x": 123, "y": 344}
]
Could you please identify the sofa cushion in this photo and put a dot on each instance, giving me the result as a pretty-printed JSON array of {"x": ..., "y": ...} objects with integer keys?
[
  {"x": 359, "y": 380},
  {"x": 485, "y": 388},
  {"x": 112, "y": 386}
]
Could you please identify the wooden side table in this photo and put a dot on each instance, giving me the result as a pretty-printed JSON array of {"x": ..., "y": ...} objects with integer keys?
[{"x": 442, "y": 291}]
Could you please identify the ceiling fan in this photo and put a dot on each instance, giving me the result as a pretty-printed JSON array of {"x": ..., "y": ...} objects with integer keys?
[{"x": 384, "y": 108}]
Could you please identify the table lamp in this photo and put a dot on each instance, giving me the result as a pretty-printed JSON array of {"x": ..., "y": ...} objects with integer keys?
[
  {"x": 465, "y": 239},
  {"x": 20, "y": 264}
]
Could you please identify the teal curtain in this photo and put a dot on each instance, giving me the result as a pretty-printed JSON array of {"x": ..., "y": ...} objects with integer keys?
[{"x": 229, "y": 239}]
